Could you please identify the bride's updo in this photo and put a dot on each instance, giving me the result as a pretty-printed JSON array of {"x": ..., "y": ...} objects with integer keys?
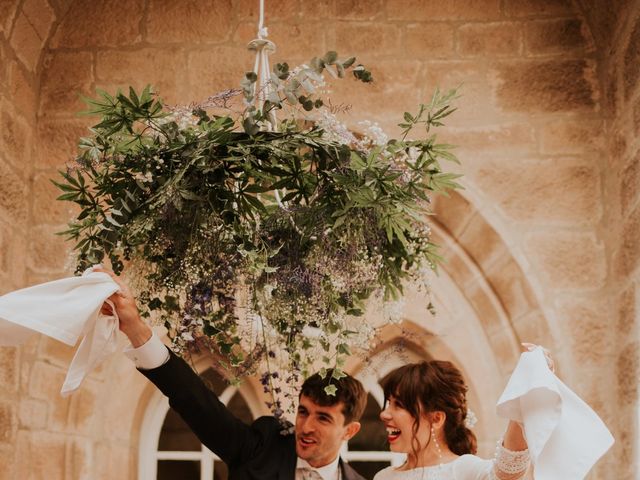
[{"x": 434, "y": 386}]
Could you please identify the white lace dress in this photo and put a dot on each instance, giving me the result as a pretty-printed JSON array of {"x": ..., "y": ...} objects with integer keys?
[{"x": 506, "y": 465}]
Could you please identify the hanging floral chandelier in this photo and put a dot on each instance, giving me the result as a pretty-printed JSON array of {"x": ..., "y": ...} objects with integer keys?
[{"x": 255, "y": 237}]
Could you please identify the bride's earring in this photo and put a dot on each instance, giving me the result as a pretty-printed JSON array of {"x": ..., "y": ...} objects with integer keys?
[{"x": 435, "y": 441}]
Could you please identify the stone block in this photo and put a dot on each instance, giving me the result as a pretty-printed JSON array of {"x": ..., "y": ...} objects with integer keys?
[
  {"x": 164, "y": 69},
  {"x": 483, "y": 244},
  {"x": 65, "y": 77},
  {"x": 4, "y": 250},
  {"x": 44, "y": 383},
  {"x": 22, "y": 91},
  {"x": 395, "y": 89},
  {"x": 453, "y": 212},
  {"x": 108, "y": 23},
  {"x": 542, "y": 191},
  {"x": 636, "y": 117},
  {"x": 545, "y": 37},
  {"x": 629, "y": 307},
  {"x": 61, "y": 6},
  {"x": 630, "y": 179},
  {"x": 33, "y": 414},
  {"x": 628, "y": 373},
  {"x": 189, "y": 21},
  {"x": 430, "y": 10},
  {"x": 512, "y": 288},
  {"x": 14, "y": 196},
  {"x": 355, "y": 39},
  {"x": 324, "y": 9},
  {"x": 26, "y": 42},
  {"x": 7, "y": 460},
  {"x": 490, "y": 39},
  {"x": 631, "y": 63},
  {"x": 506, "y": 350},
  {"x": 585, "y": 324},
  {"x": 8, "y": 423},
  {"x": 40, "y": 455},
  {"x": 55, "y": 352},
  {"x": 40, "y": 15},
  {"x": 58, "y": 141},
  {"x": 485, "y": 307},
  {"x": 278, "y": 10},
  {"x": 113, "y": 461},
  {"x": 487, "y": 140},
  {"x": 45, "y": 380},
  {"x": 627, "y": 257},
  {"x": 80, "y": 458},
  {"x": 357, "y": 9},
  {"x": 46, "y": 209},
  {"x": 537, "y": 8},
  {"x": 546, "y": 86},
  {"x": 82, "y": 411},
  {"x": 478, "y": 103},
  {"x": 16, "y": 257},
  {"x": 16, "y": 140},
  {"x": 568, "y": 260},
  {"x": 429, "y": 40},
  {"x": 298, "y": 43},
  {"x": 216, "y": 69},
  {"x": 458, "y": 269},
  {"x": 48, "y": 252},
  {"x": 534, "y": 328},
  {"x": 622, "y": 457},
  {"x": 571, "y": 136},
  {"x": 5, "y": 60},
  {"x": 9, "y": 368},
  {"x": 8, "y": 9}
]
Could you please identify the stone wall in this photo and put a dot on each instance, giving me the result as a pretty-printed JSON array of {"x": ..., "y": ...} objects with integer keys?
[
  {"x": 547, "y": 128},
  {"x": 617, "y": 26}
]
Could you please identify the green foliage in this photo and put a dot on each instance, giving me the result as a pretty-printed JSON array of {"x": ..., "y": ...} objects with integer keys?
[{"x": 209, "y": 208}]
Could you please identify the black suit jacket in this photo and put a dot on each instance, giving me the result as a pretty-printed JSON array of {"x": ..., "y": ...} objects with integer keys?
[{"x": 255, "y": 452}]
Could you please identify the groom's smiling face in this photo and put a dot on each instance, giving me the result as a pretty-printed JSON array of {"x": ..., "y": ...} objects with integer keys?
[{"x": 320, "y": 431}]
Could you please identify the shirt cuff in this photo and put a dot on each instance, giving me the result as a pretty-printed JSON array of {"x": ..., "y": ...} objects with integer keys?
[{"x": 152, "y": 354}]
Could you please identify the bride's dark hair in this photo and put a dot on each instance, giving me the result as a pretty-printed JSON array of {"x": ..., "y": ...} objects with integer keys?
[{"x": 434, "y": 386}]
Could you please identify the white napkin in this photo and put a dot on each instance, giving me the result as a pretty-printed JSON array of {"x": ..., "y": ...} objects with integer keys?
[
  {"x": 565, "y": 436},
  {"x": 65, "y": 310}
]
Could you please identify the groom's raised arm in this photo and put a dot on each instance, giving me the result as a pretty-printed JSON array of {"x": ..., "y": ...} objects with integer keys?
[{"x": 200, "y": 408}]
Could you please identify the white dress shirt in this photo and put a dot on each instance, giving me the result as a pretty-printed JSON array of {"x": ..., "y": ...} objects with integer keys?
[
  {"x": 330, "y": 471},
  {"x": 151, "y": 355}
]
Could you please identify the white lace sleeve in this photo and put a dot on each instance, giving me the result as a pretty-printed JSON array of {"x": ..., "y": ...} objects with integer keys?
[{"x": 509, "y": 465}]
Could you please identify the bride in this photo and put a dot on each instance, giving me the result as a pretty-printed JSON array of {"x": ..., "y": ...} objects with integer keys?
[{"x": 424, "y": 414}]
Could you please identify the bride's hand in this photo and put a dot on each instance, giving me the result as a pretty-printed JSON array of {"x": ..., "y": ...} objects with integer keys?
[{"x": 547, "y": 354}]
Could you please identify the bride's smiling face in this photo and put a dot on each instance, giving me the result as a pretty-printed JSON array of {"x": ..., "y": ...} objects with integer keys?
[{"x": 400, "y": 427}]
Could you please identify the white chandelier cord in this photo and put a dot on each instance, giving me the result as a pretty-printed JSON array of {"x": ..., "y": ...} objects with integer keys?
[{"x": 262, "y": 87}]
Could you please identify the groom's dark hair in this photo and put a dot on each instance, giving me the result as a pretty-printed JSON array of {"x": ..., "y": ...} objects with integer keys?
[{"x": 349, "y": 391}]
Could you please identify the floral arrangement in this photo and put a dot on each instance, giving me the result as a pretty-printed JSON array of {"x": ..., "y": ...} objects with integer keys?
[{"x": 252, "y": 241}]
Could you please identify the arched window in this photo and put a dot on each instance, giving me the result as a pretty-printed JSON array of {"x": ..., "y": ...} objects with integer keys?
[{"x": 168, "y": 448}]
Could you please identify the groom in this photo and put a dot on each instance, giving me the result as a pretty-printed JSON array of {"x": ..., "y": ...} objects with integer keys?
[{"x": 259, "y": 451}]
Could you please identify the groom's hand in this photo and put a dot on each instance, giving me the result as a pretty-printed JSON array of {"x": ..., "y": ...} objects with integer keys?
[{"x": 131, "y": 324}]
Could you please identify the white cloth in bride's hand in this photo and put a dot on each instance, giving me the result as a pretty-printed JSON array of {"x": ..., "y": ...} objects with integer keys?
[
  {"x": 565, "y": 436},
  {"x": 65, "y": 310}
]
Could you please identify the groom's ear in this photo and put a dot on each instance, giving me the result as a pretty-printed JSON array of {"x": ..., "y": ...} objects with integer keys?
[{"x": 351, "y": 430}]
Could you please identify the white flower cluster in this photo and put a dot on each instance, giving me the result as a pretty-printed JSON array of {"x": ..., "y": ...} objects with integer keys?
[
  {"x": 333, "y": 129},
  {"x": 373, "y": 134}
]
